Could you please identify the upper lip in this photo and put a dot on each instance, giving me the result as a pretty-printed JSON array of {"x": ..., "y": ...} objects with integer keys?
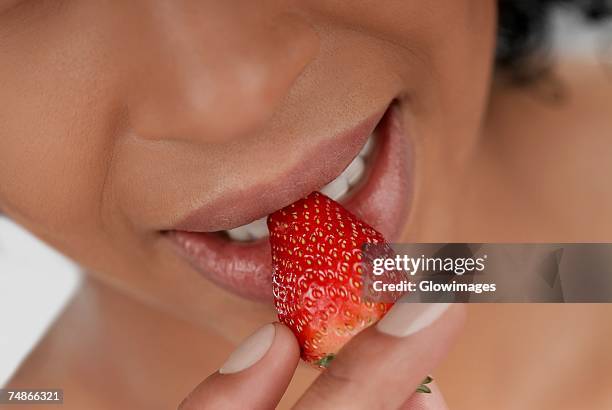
[{"x": 312, "y": 171}]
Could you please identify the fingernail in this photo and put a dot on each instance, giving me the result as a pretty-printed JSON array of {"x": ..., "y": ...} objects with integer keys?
[
  {"x": 405, "y": 319},
  {"x": 250, "y": 351}
]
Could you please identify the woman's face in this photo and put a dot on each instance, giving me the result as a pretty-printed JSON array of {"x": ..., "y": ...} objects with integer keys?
[{"x": 133, "y": 132}]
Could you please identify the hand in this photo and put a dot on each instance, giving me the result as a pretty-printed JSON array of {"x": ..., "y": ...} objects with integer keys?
[{"x": 380, "y": 368}]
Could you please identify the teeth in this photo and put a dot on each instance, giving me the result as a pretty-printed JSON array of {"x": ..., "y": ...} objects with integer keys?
[
  {"x": 240, "y": 234},
  {"x": 259, "y": 228},
  {"x": 367, "y": 148},
  {"x": 249, "y": 232},
  {"x": 354, "y": 171},
  {"x": 336, "y": 190}
]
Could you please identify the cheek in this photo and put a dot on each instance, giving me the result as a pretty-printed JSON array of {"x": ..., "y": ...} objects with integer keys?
[
  {"x": 443, "y": 53},
  {"x": 55, "y": 139},
  {"x": 458, "y": 43},
  {"x": 464, "y": 51}
]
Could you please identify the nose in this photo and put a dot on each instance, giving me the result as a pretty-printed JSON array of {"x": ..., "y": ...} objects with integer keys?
[{"x": 210, "y": 70}]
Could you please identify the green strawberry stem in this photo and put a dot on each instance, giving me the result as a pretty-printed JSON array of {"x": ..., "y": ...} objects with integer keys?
[
  {"x": 326, "y": 360},
  {"x": 422, "y": 387}
]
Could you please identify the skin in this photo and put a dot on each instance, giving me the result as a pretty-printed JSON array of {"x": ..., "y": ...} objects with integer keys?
[{"x": 84, "y": 116}]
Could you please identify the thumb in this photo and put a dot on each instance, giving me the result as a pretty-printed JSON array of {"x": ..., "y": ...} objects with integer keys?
[{"x": 257, "y": 372}]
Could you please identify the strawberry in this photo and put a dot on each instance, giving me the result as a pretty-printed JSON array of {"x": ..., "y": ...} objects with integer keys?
[{"x": 317, "y": 278}]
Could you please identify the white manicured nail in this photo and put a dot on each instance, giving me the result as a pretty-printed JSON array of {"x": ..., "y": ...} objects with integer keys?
[
  {"x": 250, "y": 351},
  {"x": 405, "y": 319}
]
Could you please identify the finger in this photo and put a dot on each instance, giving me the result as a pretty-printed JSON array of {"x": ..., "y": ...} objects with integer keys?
[
  {"x": 256, "y": 373},
  {"x": 426, "y": 401},
  {"x": 382, "y": 366}
]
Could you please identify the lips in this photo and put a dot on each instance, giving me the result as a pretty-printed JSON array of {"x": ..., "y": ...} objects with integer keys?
[
  {"x": 382, "y": 198},
  {"x": 338, "y": 190}
]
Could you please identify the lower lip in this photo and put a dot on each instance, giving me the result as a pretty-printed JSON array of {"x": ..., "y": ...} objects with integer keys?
[{"x": 383, "y": 202}]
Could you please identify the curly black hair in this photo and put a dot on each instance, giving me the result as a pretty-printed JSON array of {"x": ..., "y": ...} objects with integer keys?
[{"x": 523, "y": 28}]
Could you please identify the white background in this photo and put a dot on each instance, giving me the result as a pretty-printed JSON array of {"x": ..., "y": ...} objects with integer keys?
[{"x": 36, "y": 282}]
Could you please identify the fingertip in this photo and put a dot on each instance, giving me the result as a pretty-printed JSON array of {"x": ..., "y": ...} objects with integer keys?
[
  {"x": 426, "y": 401},
  {"x": 284, "y": 354},
  {"x": 258, "y": 372},
  {"x": 286, "y": 339}
]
